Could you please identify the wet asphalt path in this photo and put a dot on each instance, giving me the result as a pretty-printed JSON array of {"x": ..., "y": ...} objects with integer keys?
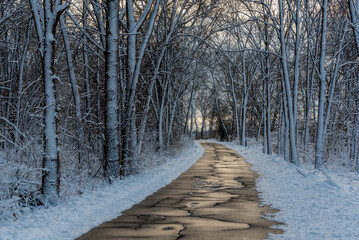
[{"x": 214, "y": 199}]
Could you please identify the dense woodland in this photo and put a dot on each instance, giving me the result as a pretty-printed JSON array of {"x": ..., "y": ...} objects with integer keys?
[{"x": 89, "y": 87}]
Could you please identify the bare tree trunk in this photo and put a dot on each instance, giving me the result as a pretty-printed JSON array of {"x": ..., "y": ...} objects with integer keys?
[
  {"x": 333, "y": 82},
  {"x": 75, "y": 93},
  {"x": 161, "y": 116},
  {"x": 268, "y": 107},
  {"x": 85, "y": 56},
  {"x": 244, "y": 120},
  {"x": 112, "y": 167},
  {"x": 288, "y": 91},
  {"x": 220, "y": 117},
  {"x": 286, "y": 135},
  {"x": 21, "y": 80},
  {"x": 265, "y": 145},
  {"x": 296, "y": 63},
  {"x": 245, "y": 100},
  {"x": 354, "y": 13},
  {"x": 192, "y": 116},
  {"x": 322, "y": 88},
  {"x": 203, "y": 127},
  {"x": 235, "y": 103},
  {"x": 356, "y": 135},
  {"x": 210, "y": 128},
  {"x": 308, "y": 97},
  {"x": 172, "y": 115},
  {"x": 188, "y": 109},
  {"x": 280, "y": 127},
  {"x": 260, "y": 127},
  {"x": 129, "y": 138},
  {"x": 46, "y": 31}
]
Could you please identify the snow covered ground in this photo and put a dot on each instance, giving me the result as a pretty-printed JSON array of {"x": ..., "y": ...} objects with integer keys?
[
  {"x": 314, "y": 204},
  {"x": 78, "y": 215}
]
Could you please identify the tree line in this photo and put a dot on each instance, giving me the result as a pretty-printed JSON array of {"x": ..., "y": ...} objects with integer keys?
[
  {"x": 89, "y": 85},
  {"x": 286, "y": 72}
]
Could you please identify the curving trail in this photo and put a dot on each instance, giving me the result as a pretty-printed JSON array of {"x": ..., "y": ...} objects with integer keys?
[{"x": 214, "y": 199}]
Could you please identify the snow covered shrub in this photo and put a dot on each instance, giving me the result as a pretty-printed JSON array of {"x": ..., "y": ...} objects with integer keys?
[
  {"x": 77, "y": 177},
  {"x": 10, "y": 209},
  {"x": 150, "y": 158},
  {"x": 183, "y": 142},
  {"x": 306, "y": 156},
  {"x": 20, "y": 181}
]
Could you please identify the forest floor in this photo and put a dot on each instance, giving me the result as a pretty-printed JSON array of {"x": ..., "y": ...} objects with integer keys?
[{"x": 214, "y": 199}]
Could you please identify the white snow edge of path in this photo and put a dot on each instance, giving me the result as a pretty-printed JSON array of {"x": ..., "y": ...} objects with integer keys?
[
  {"x": 313, "y": 204},
  {"x": 74, "y": 217}
]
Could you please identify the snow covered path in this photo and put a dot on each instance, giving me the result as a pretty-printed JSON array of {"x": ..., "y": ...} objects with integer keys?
[
  {"x": 316, "y": 205},
  {"x": 78, "y": 215},
  {"x": 213, "y": 200}
]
